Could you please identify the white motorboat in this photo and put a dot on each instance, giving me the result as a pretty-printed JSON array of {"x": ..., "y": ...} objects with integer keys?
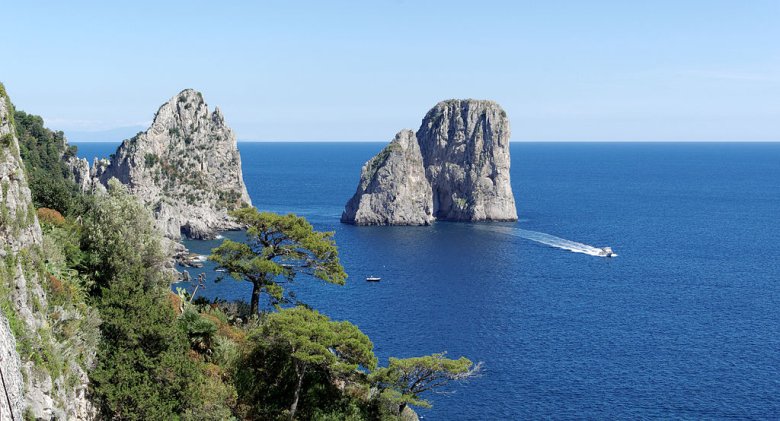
[
  {"x": 607, "y": 252},
  {"x": 373, "y": 279}
]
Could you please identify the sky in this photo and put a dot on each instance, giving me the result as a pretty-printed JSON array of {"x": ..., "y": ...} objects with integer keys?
[{"x": 683, "y": 70}]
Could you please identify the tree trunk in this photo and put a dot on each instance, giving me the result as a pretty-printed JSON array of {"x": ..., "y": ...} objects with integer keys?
[
  {"x": 294, "y": 407},
  {"x": 255, "y": 303}
]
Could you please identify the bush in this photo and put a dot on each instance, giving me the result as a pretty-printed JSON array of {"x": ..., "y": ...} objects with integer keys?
[
  {"x": 144, "y": 370},
  {"x": 150, "y": 159},
  {"x": 50, "y": 217},
  {"x": 42, "y": 151}
]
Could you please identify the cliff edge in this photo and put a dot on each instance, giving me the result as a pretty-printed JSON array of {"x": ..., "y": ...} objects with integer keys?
[{"x": 44, "y": 355}]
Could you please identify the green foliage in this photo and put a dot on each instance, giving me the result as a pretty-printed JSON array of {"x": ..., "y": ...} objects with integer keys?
[
  {"x": 62, "y": 244},
  {"x": 150, "y": 160},
  {"x": 120, "y": 239},
  {"x": 200, "y": 330},
  {"x": 143, "y": 369},
  {"x": 42, "y": 151},
  {"x": 229, "y": 199},
  {"x": 296, "y": 356},
  {"x": 314, "y": 340},
  {"x": 69, "y": 335},
  {"x": 404, "y": 380},
  {"x": 279, "y": 248},
  {"x": 6, "y": 140},
  {"x": 217, "y": 397}
]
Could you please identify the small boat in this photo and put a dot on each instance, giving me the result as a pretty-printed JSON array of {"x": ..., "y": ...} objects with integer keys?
[
  {"x": 373, "y": 279},
  {"x": 220, "y": 270},
  {"x": 607, "y": 252}
]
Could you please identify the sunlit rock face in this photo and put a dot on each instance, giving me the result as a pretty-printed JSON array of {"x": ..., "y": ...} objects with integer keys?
[
  {"x": 393, "y": 189},
  {"x": 186, "y": 168},
  {"x": 462, "y": 148}
]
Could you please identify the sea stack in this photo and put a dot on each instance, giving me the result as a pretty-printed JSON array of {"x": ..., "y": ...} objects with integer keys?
[
  {"x": 393, "y": 189},
  {"x": 186, "y": 168},
  {"x": 462, "y": 150}
]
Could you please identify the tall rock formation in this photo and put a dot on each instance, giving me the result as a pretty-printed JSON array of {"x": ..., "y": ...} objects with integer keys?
[
  {"x": 48, "y": 379},
  {"x": 464, "y": 146},
  {"x": 393, "y": 188},
  {"x": 185, "y": 167}
]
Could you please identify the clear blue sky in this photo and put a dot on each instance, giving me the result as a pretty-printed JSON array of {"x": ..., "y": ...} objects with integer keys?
[{"x": 362, "y": 70}]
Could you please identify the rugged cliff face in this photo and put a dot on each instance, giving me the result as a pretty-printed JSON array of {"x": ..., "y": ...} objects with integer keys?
[
  {"x": 185, "y": 167},
  {"x": 393, "y": 188},
  {"x": 464, "y": 146},
  {"x": 47, "y": 377},
  {"x": 12, "y": 394}
]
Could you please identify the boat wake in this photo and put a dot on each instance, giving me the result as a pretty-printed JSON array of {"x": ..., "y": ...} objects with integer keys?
[{"x": 553, "y": 241}]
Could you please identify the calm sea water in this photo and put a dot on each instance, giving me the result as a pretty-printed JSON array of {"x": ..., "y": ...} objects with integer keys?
[{"x": 684, "y": 323}]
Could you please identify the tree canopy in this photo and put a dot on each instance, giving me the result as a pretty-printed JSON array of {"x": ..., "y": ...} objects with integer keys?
[
  {"x": 403, "y": 381},
  {"x": 313, "y": 340},
  {"x": 278, "y": 249},
  {"x": 42, "y": 151},
  {"x": 143, "y": 371}
]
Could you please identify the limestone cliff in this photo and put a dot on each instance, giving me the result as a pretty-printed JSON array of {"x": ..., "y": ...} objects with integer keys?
[
  {"x": 186, "y": 168},
  {"x": 12, "y": 394},
  {"x": 393, "y": 188},
  {"x": 464, "y": 145},
  {"x": 46, "y": 378}
]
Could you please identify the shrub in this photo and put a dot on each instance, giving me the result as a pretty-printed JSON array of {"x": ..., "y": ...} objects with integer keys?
[
  {"x": 143, "y": 369},
  {"x": 48, "y": 216},
  {"x": 150, "y": 160}
]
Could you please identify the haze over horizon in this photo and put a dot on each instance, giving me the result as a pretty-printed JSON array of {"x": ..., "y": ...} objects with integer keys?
[{"x": 343, "y": 70}]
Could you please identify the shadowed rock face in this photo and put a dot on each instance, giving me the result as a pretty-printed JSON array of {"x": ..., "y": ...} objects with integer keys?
[
  {"x": 464, "y": 151},
  {"x": 393, "y": 189},
  {"x": 185, "y": 167}
]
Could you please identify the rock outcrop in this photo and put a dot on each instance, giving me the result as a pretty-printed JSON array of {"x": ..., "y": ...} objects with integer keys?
[
  {"x": 86, "y": 178},
  {"x": 49, "y": 379},
  {"x": 464, "y": 146},
  {"x": 186, "y": 168},
  {"x": 393, "y": 188},
  {"x": 12, "y": 394}
]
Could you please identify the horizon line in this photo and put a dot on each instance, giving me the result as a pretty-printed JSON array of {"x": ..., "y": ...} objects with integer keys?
[{"x": 511, "y": 141}]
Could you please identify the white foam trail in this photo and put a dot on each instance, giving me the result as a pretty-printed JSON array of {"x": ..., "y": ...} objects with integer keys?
[{"x": 550, "y": 240}]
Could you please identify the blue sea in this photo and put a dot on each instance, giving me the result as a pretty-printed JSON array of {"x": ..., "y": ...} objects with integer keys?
[{"x": 684, "y": 323}]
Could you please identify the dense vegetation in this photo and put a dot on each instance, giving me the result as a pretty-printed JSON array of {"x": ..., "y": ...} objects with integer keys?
[
  {"x": 42, "y": 151},
  {"x": 163, "y": 356}
]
